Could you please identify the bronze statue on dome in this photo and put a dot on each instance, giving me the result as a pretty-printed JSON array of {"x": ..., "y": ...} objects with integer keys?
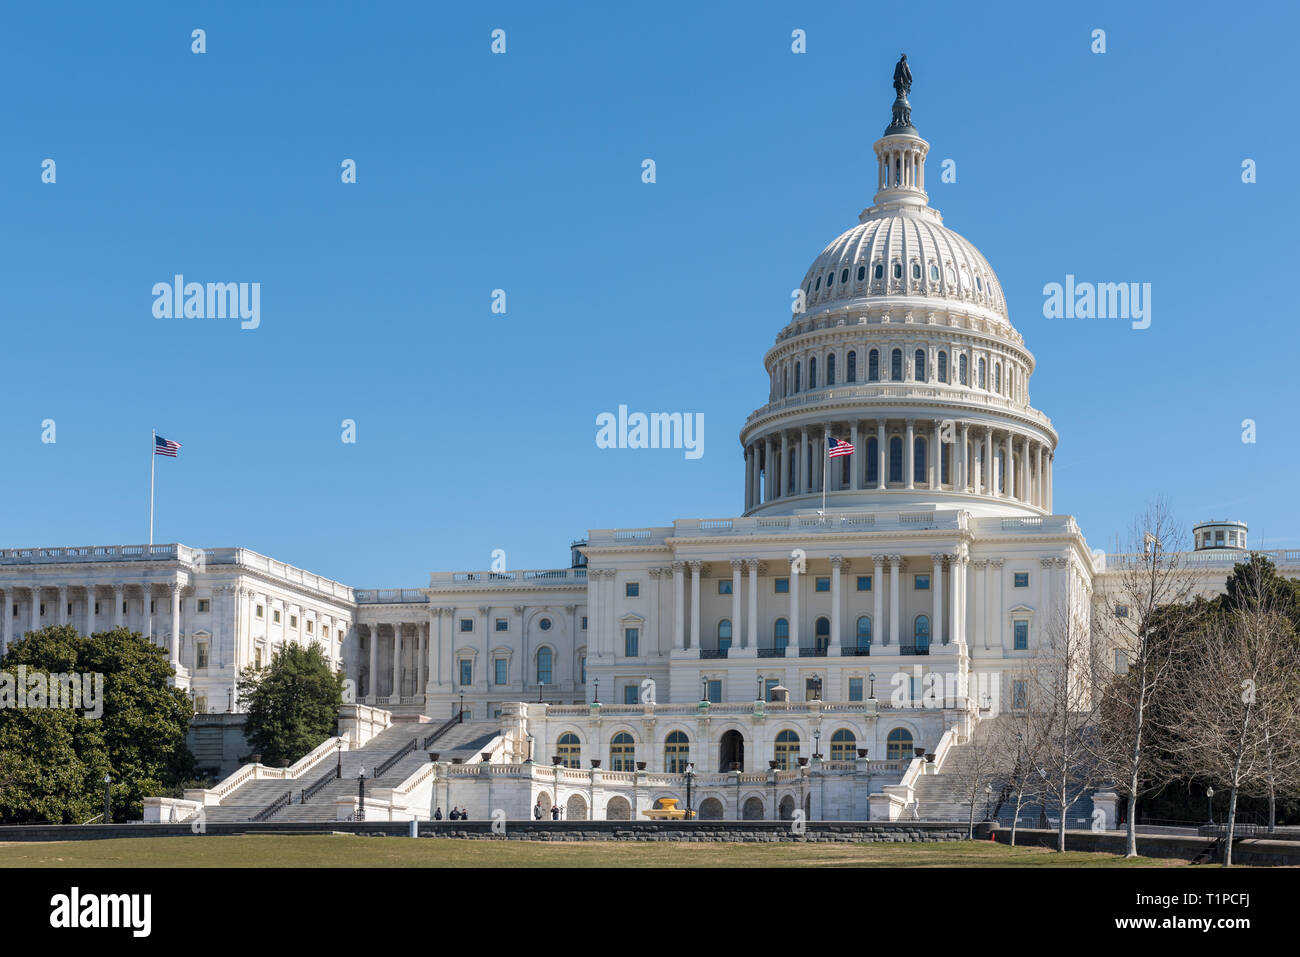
[
  {"x": 902, "y": 77},
  {"x": 901, "y": 121}
]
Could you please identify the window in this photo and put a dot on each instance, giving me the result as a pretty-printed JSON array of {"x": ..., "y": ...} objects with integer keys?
[
  {"x": 921, "y": 633},
  {"x": 204, "y": 605},
  {"x": 713, "y": 690},
  {"x": 786, "y": 751},
  {"x": 768, "y": 685},
  {"x": 544, "y": 624},
  {"x": 864, "y": 583},
  {"x": 796, "y": 377},
  {"x": 467, "y": 624},
  {"x": 257, "y": 657},
  {"x": 631, "y": 639},
  {"x": 943, "y": 367},
  {"x": 844, "y": 276},
  {"x": 584, "y": 622},
  {"x": 1021, "y": 579},
  {"x": 293, "y": 621},
  {"x": 823, "y": 584},
  {"x": 879, "y": 272},
  {"x": 677, "y": 752},
  {"x": 830, "y": 369},
  {"x": 818, "y": 284},
  {"x": 1019, "y": 695},
  {"x": 895, "y": 459},
  {"x": 260, "y": 610},
  {"x": 919, "y": 464},
  {"x": 544, "y": 666},
  {"x": 812, "y": 373},
  {"x": 96, "y": 608},
  {"x": 1121, "y": 611},
  {"x": 916, "y": 270},
  {"x": 812, "y": 689},
  {"x": 862, "y": 273},
  {"x": 873, "y": 461},
  {"x": 864, "y": 633},
  {"x": 843, "y": 743},
  {"x": 934, "y": 272},
  {"x": 851, "y": 373},
  {"x": 200, "y": 704},
  {"x": 855, "y": 689},
  {"x": 997, "y": 377},
  {"x": 918, "y": 365},
  {"x": 630, "y": 694},
  {"x": 569, "y": 750},
  {"x": 724, "y": 634},
  {"x": 782, "y": 586},
  {"x": 622, "y": 749},
  {"x": 466, "y": 672},
  {"x": 873, "y": 366},
  {"x": 503, "y": 624},
  {"x": 898, "y": 746},
  {"x": 830, "y": 279},
  {"x": 896, "y": 365},
  {"x": 781, "y": 634},
  {"x": 502, "y": 669},
  {"x": 822, "y": 634},
  {"x": 1021, "y": 632},
  {"x": 275, "y": 615},
  {"x": 724, "y": 586},
  {"x": 632, "y": 590},
  {"x": 582, "y": 668},
  {"x": 980, "y": 381},
  {"x": 922, "y": 583},
  {"x": 961, "y": 369},
  {"x": 898, "y": 270},
  {"x": 311, "y": 626},
  {"x": 1121, "y": 661},
  {"x": 200, "y": 655}
]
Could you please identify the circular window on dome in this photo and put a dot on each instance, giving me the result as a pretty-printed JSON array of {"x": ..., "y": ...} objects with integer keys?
[
  {"x": 898, "y": 270},
  {"x": 880, "y": 271},
  {"x": 544, "y": 624},
  {"x": 934, "y": 272},
  {"x": 862, "y": 273}
]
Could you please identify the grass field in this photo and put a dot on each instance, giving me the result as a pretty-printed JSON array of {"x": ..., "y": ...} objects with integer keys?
[{"x": 349, "y": 851}]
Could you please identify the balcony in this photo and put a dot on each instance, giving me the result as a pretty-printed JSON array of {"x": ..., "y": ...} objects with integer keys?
[
  {"x": 854, "y": 652},
  {"x": 771, "y": 652},
  {"x": 710, "y": 653},
  {"x": 913, "y": 649},
  {"x": 814, "y": 651}
]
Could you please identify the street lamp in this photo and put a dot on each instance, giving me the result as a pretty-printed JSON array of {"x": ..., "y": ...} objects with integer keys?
[
  {"x": 704, "y": 688},
  {"x": 361, "y": 791},
  {"x": 817, "y": 743},
  {"x": 338, "y": 771},
  {"x": 108, "y": 809},
  {"x": 988, "y": 801},
  {"x": 595, "y": 695},
  {"x": 530, "y": 748},
  {"x": 1042, "y": 804},
  {"x": 690, "y": 777},
  {"x": 1209, "y": 799},
  {"x": 760, "y": 689},
  {"x": 461, "y": 713},
  {"x": 872, "y": 676}
]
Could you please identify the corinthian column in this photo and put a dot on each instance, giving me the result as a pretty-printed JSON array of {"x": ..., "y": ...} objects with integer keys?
[
  {"x": 736, "y": 565},
  {"x": 878, "y": 630},
  {"x": 695, "y": 604},
  {"x": 895, "y": 569},
  {"x": 833, "y": 649},
  {"x": 752, "y": 564},
  {"x": 679, "y": 607}
]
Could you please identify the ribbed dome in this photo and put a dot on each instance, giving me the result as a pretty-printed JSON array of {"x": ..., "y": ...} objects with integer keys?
[{"x": 901, "y": 252}]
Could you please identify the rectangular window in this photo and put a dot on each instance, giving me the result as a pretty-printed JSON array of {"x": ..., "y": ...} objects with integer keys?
[
  {"x": 1019, "y": 695},
  {"x": 724, "y": 586},
  {"x": 584, "y": 622},
  {"x": 1021, "y": 580},
  {"x": 275, "y": 616},
  {"x": 261, "y": 611},
  {"x": 153, "y": 607},
  {"x": 200, "y": 704},
  {"x": 582, "y": 669},
  {"x": 855, "y": 689},
  {"x": 632, "y": 589},
  {"x": 864, "y": 583},
  {"x": 201, "y": 655},
  {"x": 822, "y": 584},
  {"x": 715, "y": 690},
  {"x": 631, "y": 639},
  {"x": 1121, "y": 611},
  {"x": 293, "y": 621},
  {"x": 501, "y": 665},
  {"x": 1021, "y": 635},
  {"x": 466, "y": 673},
  {"x": 257, "y": 658},
  {"x": 96, "y": 608},
  {"x": 922, "y": 583},
  {"x": 204, "y": 605},
  {"x": 1121, "y": 661},
  {"x": 467, "y": 624},
  {"x": 69, "y": 608},
  {"x": 768, "y": 685},
  {"x": 782, "y": 586},
  {"x": 311, "y": 625},
  {"x": 630, "y": 694},
  {"x": 811, "y": 689},
  {"x": 503, "y": 624}
]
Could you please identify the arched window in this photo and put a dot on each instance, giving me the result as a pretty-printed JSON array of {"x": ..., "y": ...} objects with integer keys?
[
  {"x": 921, "y": 633},
  {"x": 961, "y": 370},
  {"x": 898, "y": 270},
  {"x": 569, "y": 750},
  {"x": 787, "y": 751},
  {"x": 851, "y": 371},
  {"x": 916, "y": 270},
  {"x": 544, "y": 666},
  {"x": 622, "y": 753},
  {"x": 918, "y": 459},
  {"x": 846, "y": 471},
  {"x": 943, "y": 367},
  {"x": 997, "y": 377},
  {"x": 934, "y": 272},
  {"x": 822, "y": 634},
  {"x": 862, "y": 273},
  {"x": 843, "y": 745},
  {"x": 873, "y": 366},
  {"x": 781, "y": 633},
  {"x": 677, "y": 752},
  {"x": 864, "y": 633},
  {"x": 873, "y": 461},
  {"x": 724, "y": 634},
  {"x": 1001, "y": 459},
  {"x": 918, "y": 365},
  {"x": 812, "y": 373},
  {"x": 830, "y": 279},
  {"x": 818, "y": 285},
  {"x": 896, "y": 365},
  {"x": 898, "y": 746},
  {"x": 879, "y": 272},
  {"x": 796, "y": 377},
  {"x": 844, "y": 276},
  {"x": 979, "y": 383},
  {"x": 895, "y": 459},
  {"x": 830, "y": 369}
]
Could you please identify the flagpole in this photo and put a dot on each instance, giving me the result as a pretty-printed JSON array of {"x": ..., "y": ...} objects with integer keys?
[
  {"x": 825, "y": 475},
  {"x": 153, "y": 458}
]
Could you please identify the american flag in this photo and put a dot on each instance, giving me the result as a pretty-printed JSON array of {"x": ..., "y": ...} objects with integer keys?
[
  {"x": 165, "y": 447},
  {"x": 838, "y": 448}
]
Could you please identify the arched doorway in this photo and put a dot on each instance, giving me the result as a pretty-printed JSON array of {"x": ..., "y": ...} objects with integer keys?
[
  {"x": 786, "y": 808},
  {"x": 731, "y": 751},
  {"x": 576, "y": 808},
  {"x": 544, "y": 799},
  {"x": 618, "y": 809},
  {"x": 710, "y": 809},
  {"x": 753, "y": 809}
]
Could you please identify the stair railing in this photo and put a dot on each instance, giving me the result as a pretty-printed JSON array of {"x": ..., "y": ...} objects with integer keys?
[
  {"x": 395, "y": 757},
  {"x": 442, "y": 729},
  {"x": 284, "y": 800}
]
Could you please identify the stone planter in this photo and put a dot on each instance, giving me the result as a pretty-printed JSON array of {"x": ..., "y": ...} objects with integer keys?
[
  {"x": 595, "y": 762},
  {"x": 771, "y": 765},
  {"x": 803, "y": 762},
  {"x": 486, "y": 756},
  {"x": 640, "y": 765},
  {"x": 862, "y": 752},
  {"x": 555, "y": 759},
  {"x": 433, "y": 755},
  {"x": 930, "y": 758},
  {"x": 920, "y": 752}
]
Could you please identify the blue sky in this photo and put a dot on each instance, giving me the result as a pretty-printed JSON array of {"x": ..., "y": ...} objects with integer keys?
[{"x": 522, "y": 171}]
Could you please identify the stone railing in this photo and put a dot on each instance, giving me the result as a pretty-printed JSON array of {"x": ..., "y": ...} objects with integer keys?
[
  {"x": 1216, "y": 558},
  {"x": 260, "y": 772},
  {"x": 526, "y": 576},
  {"x": 390, "y": 596},
  {"x": 99, "y": 553},
  {"x": 248, "y": 558}
]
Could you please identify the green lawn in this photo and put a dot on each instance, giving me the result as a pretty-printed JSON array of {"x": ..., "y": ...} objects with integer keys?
[{"x": 349, "y": 851}]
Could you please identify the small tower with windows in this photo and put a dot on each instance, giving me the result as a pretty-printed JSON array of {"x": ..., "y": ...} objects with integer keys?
[{"x": 1219, "y": 535}]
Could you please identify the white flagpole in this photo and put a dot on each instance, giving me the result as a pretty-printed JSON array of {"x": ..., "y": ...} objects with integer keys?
[
  {"x": 826, "y": 474},
  {"x": 153, "y": 443}
]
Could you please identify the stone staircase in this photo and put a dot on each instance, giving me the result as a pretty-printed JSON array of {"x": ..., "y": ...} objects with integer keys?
[{"x": 247, "y": 801}]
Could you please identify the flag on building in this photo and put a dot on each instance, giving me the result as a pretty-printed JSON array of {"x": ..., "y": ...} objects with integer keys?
[
  {"x": 838, "y": 448},
  {"x": 165, "y": 447}
]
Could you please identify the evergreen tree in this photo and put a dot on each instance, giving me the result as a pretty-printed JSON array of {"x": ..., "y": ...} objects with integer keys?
[{"x": 292, "y": 704}]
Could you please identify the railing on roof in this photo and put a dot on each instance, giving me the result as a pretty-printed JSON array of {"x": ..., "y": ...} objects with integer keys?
[{"x": 389, "y": 596}]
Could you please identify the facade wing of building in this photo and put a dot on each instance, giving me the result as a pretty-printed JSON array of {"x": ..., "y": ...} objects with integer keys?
[{"x": 814, "y": 622}]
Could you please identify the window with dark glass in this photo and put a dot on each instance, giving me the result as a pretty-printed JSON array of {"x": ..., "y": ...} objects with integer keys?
[
  {"x": 724, "y": 586},
  {"x": 1021, "y": 634},
  {"x": 895, "y": 459},
  {"x": 864, "y": 583},
  {"x": 851, "y": 370},
  {"x": 631, "y": 640},
  {"x": 632, "y": 589},
  {"x": 896, "y": 365},
  {"x": 781, "y": 586},
  {"x": 918, "y": 365},
  {"x": 823, "y": 584},
  {"x": 1021, "y": 579},
  {"x": 873, "y": 366},
  {"x": 830, "y": 369}
]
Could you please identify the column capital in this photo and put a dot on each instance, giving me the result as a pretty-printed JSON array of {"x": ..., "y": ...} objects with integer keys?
[
  {"x": 655, "y": 572},
  {"x": 694, "y": 564},
  {"x": 996, "y": 562},
  {"x": 753, "y": 564},
  {"x": 678, "y": 566},
  {"x": 569, "y": 609},
  {"x": 896, "y": 561},
  {"x": 980, "y": 562},
  {"x": 520, "y": 609},
  {"x": 880, "y": 560},
  {"x": 737, "y": 564},
  {"x": 484, "y": 609},
  {"x": 839, "y": 561},
  {"x": 942, "y": 558}
]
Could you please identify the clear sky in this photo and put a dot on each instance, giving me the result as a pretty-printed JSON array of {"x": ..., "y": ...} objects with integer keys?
[{"x": 476, "y": 431}]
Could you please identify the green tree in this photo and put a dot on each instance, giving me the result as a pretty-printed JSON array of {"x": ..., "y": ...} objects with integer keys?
[
  {"x": 53, "y": 760},
  {"x": 292, "y": 704}
]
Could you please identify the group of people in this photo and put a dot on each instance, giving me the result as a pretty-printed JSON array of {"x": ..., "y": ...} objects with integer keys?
[
  {"x": 455, "y": 814},
  {"x": 538, "y": 813}
]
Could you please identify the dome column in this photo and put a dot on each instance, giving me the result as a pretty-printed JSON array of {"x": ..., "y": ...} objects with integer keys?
[
  {"x": 935, "y": 457},
  {"x": 1009, "y": 458},
  {"x": 878, "y": 598},
  {"x": 895, "y": 569},
  {"x": 749, "y": 477},
  {"x": 880, "y": 454},
  {"x": 964, "y": 468},
  {"x": 1038, "y": 474},
  {"x": 1026, "y": 493},
  {"x": 855, "y": 459},
  {"x": 695, "y": 604},
  {"x": 769, "y": 480},
  {"x": 909, "y": 455},
  {"x": 785, "y": 464},
  {"x": 986, "y": 479},
  {"x": 803, "y": 461}
]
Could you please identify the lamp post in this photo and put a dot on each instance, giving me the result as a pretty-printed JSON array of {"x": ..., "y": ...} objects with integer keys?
[
  {"x": 760, "y": 689},
  {"x": 539, "y": 690},
  {"x": 461, "y": 713},
  {"x": 988, "y": 801},
  {"x": 872, "y": 696},
  {"x": 817, "y": 743},
  {"x": 338, "y": 771},
  {"x": 530, "y": 748},
  {"x": 1209, "y": 800},
  {"x": 595, "y": 695},
  {"x": 704, "y": 688},
  {"x": 361, "y": 792},
  {"x": 108, "y": 808},
  {"x": 690, "y": 777},
  {"x": 230, "y": 701},
  {"x": 1042, "y": 804}
]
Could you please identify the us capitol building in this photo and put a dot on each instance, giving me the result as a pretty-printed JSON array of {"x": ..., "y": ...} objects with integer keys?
[{"x": 794, "y": 655}]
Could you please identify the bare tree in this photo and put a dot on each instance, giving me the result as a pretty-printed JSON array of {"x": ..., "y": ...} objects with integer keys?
[
  {"x": 1016, "y": 737},
  {"x": 1142, "y": 612},
  {"x": 1236, "y": 696},
  {"x": 978, "y": 766}
]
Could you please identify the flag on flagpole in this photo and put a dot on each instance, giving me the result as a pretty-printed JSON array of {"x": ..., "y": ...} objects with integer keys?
[
  {"x": 165, "y": 447},
  {"x": 838, "y": 448}
]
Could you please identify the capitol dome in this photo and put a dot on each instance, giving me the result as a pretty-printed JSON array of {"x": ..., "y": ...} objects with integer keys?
[{"x": 900, "y": 344}]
